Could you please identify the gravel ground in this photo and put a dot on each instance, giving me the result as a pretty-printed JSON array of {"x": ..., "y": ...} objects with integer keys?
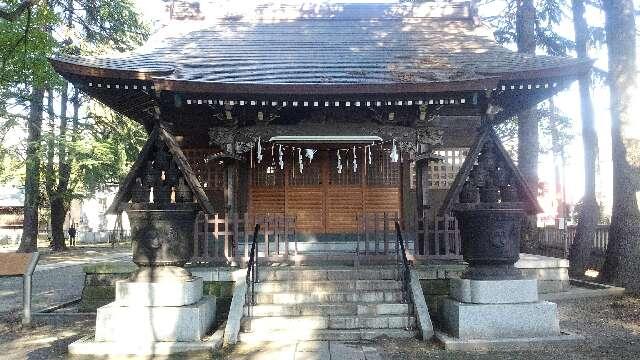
[{"x": 610, "y": 326}]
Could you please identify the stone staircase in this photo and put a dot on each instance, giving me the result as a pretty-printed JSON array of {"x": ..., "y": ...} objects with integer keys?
[{"x": 327, "y": 303}]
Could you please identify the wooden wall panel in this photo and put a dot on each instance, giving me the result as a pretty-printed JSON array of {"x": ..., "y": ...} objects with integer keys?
[
  {"x": 382, "y": 199},
  {"x": 343, "y": 205},
  {"x": 267, "y": 201},
  {"x": 308, "y": 207}
]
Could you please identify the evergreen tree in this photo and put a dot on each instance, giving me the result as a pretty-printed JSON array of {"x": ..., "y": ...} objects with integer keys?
[
  {"x": 622, "y": 262},
  {"x": 589, "y": 211}
]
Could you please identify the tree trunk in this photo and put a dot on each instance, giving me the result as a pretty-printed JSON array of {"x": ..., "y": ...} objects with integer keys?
[
  {"x": 528, "y": 143},
  {"x": 29, "y": 241},
  {"x": 622, "y": 263},
  {"x": 58, "y": 193},
  {"x": 588, "y": 216},
  {"x": 58, "y": 213}
]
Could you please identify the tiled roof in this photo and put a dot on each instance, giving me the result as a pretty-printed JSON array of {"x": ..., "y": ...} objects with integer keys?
[{"x": 354, "y": 44}]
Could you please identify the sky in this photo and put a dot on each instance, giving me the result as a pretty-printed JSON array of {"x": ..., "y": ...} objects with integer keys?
[{"x": 567, "y": 101}]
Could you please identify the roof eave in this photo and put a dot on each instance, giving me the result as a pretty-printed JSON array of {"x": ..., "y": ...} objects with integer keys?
[
  {"x": 62, "y": 66},
  {"x": 574, "y": 69},
  {"x": 484, "y": 83}
]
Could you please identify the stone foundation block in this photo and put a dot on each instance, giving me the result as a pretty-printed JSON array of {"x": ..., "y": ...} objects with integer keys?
[
  {"x": 165, "y": 293},
  {"x": 491, "y": 321},
  {"x": 494, "y": 291},
  {"x": 146, "y": 324}
]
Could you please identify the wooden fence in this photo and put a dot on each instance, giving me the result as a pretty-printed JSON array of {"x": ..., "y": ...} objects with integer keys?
[
  {"x": 376, "y": 233},
  {"x": 437, "y": 238},
  {"x": 227, "y": 238},
  {"x": 550, "y": 241}
]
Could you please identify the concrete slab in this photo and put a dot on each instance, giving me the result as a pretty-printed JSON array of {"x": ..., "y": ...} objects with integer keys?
[
  {"x": 371, "y": 353},
  {"x": 88, "y": 346},
  {"x": 236, "y": 312},
  {"x": 304, "y": 350},
  {"x": 583, "y": 290},
  {"x": 347, "y": 351},
  {"x": 165, "y": 293},
  {"x": 511, "y": 344},
  {"x": 528, "y": 261},
  {"x": 423, "y": 318},
  {"x": 312, "y": 350},
  {"x": 494, "y": 291}
]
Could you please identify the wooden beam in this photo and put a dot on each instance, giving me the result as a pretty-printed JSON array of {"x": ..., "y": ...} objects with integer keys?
[{"x": 188, "y": 173}]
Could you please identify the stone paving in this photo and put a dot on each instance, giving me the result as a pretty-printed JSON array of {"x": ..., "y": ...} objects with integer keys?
[{"x": 304, "y": 350}]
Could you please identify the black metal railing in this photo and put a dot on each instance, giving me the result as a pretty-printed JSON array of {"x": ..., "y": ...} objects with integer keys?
[
  {"x": 402, "y": 270},
  {"x": 252, "y": 276}
]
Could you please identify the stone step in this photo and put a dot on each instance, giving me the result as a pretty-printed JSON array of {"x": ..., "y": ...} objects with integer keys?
[
  {"x": 337, "y": 322},
  {"x": 391, "y": 296},
  {"x": 324, "y": 335},
  {"x": 329, "y": 309},
  {"x": 326, "y": 286},
  {"x": 341, "y": 247},
  {"x": 346, "y": 273}
]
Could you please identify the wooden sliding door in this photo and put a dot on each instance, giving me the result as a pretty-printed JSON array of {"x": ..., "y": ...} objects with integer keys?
[{"x": 323, "y": 199}]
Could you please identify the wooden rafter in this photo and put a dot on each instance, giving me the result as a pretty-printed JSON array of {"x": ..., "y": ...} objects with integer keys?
[
  {"x": 124, "y": 190},
  {"x": 488, "y": 134},
  {"x": 159, "y": 133}
]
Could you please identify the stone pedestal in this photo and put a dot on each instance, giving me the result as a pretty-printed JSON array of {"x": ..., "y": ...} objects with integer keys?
[
  {"x": 491, "y": 314},
  {"x": 172, "y": 315}
]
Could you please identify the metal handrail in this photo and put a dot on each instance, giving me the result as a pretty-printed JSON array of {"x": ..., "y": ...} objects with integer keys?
[
  {"x": 252, "y": 276},
  {"x": 402, "y": 268}
]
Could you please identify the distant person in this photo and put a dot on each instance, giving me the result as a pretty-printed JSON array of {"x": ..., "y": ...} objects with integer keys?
[{"x": 72, "y": 235}]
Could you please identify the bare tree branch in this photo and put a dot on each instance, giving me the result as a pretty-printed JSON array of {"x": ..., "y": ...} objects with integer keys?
[{"x": 13, "y": 15}]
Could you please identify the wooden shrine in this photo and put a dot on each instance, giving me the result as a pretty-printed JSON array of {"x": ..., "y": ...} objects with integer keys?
[{"x": 325, "y": 114}]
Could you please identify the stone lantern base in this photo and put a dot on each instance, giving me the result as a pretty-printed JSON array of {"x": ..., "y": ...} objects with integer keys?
[
  {"x": 149, "y": 316},
  {"x": 483, "y": 315}
]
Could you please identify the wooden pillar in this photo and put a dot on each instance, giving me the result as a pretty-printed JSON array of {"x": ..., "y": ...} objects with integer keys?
[
  {"x": 231, "y": 186},
  {"x": 422, "y": 187}
]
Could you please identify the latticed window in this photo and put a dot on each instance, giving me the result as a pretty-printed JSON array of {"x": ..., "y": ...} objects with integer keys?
[
  {"x": 311, "y": 174},
  {"x": 347, "y": 175},
  {"x": 383, "y": 171},
  {"x": 267, "y": 173},
  {"x": 211, "y": 173},
  {"x": 441, "y": 174}
]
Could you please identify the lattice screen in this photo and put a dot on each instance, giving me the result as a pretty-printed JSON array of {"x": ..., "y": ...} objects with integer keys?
[
  {"x": 382, "y": 171},
  {"x": 441, "y": 174}
]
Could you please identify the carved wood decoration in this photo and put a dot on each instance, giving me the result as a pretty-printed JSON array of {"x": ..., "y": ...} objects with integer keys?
[
  {"x": 160, "y": 166},
  {"x": 243, "y": 138},
  {"x": 489, "y": 179}
]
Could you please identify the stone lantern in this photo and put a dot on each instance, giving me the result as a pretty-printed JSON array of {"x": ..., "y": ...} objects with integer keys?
[
  {"x": 492, "y": 304},
  {"x": 160, "y": 308}
]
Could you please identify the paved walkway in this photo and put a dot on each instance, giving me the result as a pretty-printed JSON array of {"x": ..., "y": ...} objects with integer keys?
[
  {"x": 304, "y": 350},
  {"x": 58, "y": 277}
]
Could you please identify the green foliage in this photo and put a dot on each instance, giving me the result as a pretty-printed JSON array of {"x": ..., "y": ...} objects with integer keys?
[
  {"x": 99, "y": 145},
  {"x": 117, "y": 142},
  {"x": 25, "y": 45},
  {"x": 549, "y": 13}
]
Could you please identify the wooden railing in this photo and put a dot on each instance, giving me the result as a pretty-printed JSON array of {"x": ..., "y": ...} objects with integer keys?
[
  {"x": 376, "y": 233},
  {"x": 252, "y": 277},
  {"x": 550, "y": 241},
  {"x": 226, "y": 237},
  {"x": 437, "y": 238}
]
